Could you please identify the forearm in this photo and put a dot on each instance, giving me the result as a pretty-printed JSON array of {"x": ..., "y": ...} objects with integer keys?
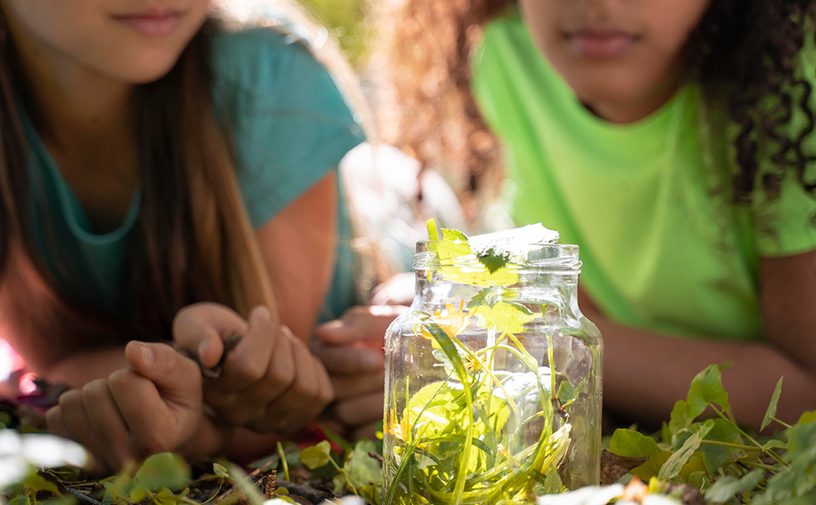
[{"x": 646, "y": 373}]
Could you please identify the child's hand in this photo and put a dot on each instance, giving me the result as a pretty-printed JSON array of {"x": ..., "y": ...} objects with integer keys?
[
  {"x": 154, "y": 406},
  {"x": 269, "y": 381},
  {"x": 352, "y": 350}
]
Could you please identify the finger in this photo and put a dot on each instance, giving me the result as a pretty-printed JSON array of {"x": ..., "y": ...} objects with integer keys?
[
  {"x": 177, "y": 377},
  {"x": 301, "y": 402},
  {"x": 160, "y": 399},
  {"x": 202, "y": 328},
  {"x": 109, "y": 427},
  {"x": 240, "y": 408},
  {"x": 359, "y": 324},
  {"x": 248, "y": 363},
  {"x": 154, "y": 426},
  {"x": 361, "y": 410},
  {"x": 348, "y": 360},
  {"x": 76, "y": 421},
  {"x": 349, "y": 386},
  {"x": 55, "y": 423}
]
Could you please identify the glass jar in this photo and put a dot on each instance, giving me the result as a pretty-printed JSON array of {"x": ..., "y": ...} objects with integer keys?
[{"x": 493, "y": 380}]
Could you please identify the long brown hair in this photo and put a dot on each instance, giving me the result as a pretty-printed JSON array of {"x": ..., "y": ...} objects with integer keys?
[
  {"x": 193, "y": 240},
  {"x": 745, "y": 53}
]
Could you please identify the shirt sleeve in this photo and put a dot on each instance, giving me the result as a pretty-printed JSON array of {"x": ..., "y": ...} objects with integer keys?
[{"x": 290, "y": 123}]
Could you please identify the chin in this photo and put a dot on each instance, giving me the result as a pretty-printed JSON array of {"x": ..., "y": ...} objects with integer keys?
[
  {"x": 604, "y": 87},
  {"x": 146, "y": 71}
]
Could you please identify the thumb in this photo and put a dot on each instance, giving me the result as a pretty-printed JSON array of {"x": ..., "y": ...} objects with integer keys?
[
  {"x": 174, "y": 375},
  {"x": 201, "y": 328}
]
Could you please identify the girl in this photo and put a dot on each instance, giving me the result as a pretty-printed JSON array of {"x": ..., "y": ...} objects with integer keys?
[
  {"x": 672, "y": 140},
  {"x": 152, "y": 158}
]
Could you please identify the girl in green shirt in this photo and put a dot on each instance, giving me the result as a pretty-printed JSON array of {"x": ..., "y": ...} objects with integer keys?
[
  {"x": 164, "y": 170},
  {"x": 672, "y": 140}
]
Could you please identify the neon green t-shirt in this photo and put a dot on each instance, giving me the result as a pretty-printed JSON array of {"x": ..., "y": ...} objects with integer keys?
[{"x": 649, "y": 203}]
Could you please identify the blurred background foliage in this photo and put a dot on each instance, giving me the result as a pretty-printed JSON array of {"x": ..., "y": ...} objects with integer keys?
[{"x": 348, "y": 22}]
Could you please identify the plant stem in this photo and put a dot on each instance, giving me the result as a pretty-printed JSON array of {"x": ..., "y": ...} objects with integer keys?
[
  {"x": 769, "y": 452},
  {"x": 783, "y": 423},
  {"x": 732, "y": 445},
  {"x": 342, "y": 471},
  {"x": 754, "y": 464},
  {"x": 283, "y": 461}
]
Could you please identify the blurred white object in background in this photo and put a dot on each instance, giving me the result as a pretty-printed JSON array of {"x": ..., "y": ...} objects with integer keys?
[
  {"x": 19, "y": 453},
  {"x": 383, "y": 185}
]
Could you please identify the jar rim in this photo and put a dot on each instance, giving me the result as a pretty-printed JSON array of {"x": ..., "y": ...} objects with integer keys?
[{"x": 540, "y": 257}]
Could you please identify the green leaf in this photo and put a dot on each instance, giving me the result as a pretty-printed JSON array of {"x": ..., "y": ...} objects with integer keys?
[
  {"x": 706, "y": 388},
  {"x": 36, "y": 482},
  {"x": 678, "y": 460},
  {"x": 364, "y": 472},
  {"x": 167, "y": 497},
  {"x": 116, "y": 489},
  {"x": 774, "y": 443},
  {"x": 567, "y": 393},
  {"x": 433, "y": 231},
  {"x": 715, "y": 456},
  {"x": 488, "y": 296},
  {"x": 728, "y": 487},
  {"x": 771, "y": 412},
  {"x": 162, "y": 470},
  {"x": 651, "y": 467},
  {"x": 220, "y": 471},
  {"x": 494, "y": 259},
  {"x": 450, "y": 245},
  {"x": 503, "y": 317},
  {"x": 316, "y": 456},
  {"x": 680, "y": 419},
  {"x": 632, "y": 444},
  {"x": 807, "y": 417}
]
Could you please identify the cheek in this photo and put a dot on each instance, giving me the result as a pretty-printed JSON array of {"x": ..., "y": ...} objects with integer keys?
[{"x": 670, "y": 25}]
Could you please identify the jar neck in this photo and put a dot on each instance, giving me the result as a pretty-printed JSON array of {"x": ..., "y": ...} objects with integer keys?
[{"x": 534, "y": 289}]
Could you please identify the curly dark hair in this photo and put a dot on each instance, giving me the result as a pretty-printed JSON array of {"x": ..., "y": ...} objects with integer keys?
[{"x": 756, "y": 43}]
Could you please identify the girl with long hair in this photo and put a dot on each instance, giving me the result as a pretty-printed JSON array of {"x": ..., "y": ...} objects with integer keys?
[{"x": 167, "y": 176}]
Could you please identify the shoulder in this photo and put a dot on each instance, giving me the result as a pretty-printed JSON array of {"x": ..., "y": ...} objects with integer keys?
[
  {"x": 287, "y": 115},
  {"x": 262, "y": 61}
]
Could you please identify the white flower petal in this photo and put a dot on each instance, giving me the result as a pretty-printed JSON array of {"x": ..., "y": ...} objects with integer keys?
[
  {"x": 660, "y": 500},
  {"x": 48, "y": 451},
  {"x": 348, "y": 500},
  {"x": 12, "y": 471},
  {"x": 10, "y": 443},
  {"x": 592, "y": 495}
]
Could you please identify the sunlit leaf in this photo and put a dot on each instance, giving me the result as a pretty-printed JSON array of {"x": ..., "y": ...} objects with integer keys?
[
  {"x": 220, "y": 471},
  {"x": 316, "y": 456},
  {"x": 771, "y": 412},
  {"x": 504, "y": 317},
  {"x": 158, "y": 471}
]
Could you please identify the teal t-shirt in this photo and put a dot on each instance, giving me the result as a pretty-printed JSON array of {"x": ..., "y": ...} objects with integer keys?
[
  {"x": 649, "y": 203},
  {"x": 290, "y": 125}
]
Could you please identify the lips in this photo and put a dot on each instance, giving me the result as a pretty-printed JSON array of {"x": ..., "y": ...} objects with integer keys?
[
  {"x": 152, "y": 22},
  {"x": 600, "y": 42}
]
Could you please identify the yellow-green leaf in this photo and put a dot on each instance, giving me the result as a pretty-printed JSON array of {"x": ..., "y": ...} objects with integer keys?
[
  {"x": 316, "y": 456},
  {"x": 771, "y": 412},
  {"x": 503, "y": 317}
]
